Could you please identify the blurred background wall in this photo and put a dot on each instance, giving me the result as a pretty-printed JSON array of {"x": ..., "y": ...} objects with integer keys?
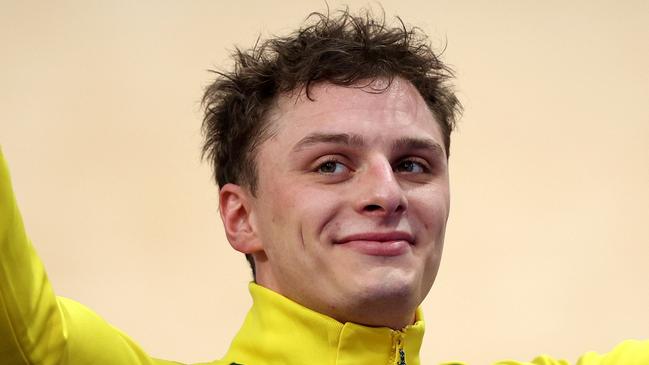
[{"x": 548, "y": 242}]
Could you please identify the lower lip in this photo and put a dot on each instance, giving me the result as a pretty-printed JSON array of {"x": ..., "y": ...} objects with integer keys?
[{"x": 379, "y": 248}]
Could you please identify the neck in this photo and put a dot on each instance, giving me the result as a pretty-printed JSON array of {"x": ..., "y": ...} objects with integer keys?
[{"x": 391, "y": 310}]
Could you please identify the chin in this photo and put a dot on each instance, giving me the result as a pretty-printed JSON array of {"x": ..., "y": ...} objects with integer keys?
[
  {"x": 381, "y": 298},
  {"x": 388, "y": 286}
]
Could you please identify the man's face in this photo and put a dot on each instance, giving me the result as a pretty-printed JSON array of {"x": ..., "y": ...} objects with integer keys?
[{"x": 352, "y": 201}]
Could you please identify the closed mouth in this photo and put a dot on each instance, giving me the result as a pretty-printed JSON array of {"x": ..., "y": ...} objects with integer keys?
[
  {"x": 377, "y": 237},
  {"x": 383, "y": 244}
]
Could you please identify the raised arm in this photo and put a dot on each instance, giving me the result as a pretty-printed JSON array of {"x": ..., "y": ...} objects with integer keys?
[{"x": 36, "y": 327}]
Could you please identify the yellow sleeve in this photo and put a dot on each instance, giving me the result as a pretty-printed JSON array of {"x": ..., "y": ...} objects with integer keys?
[
  {"x": 630, "y": 352},
  {"x": 36, "y": 327}
]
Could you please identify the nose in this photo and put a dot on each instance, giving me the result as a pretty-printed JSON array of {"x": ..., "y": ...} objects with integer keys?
[{"x": 380, "y": 193}]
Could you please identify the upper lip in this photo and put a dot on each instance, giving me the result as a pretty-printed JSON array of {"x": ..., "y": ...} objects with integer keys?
[{"x": 378, "y": 236}]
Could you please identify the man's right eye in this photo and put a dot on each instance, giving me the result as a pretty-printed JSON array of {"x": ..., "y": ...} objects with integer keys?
[{"x": 331, "y": 167}]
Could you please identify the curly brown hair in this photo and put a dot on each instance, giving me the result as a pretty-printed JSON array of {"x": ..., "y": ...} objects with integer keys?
[{"x": 344, "y": 49}]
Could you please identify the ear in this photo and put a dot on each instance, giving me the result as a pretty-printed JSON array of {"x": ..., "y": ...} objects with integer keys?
[{"x": 234, "y": 207}]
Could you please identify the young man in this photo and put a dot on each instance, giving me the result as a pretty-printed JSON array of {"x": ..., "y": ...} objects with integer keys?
[{"x": 330, "y": 148}]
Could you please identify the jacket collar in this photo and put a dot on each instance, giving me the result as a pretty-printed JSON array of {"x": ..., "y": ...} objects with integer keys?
[{"x": 280, "y": 331}]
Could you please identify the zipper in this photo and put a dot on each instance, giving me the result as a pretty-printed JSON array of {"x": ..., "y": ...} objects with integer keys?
[
  {"x": 400, "y": 352},
  {"x": 402, "y": 357}
]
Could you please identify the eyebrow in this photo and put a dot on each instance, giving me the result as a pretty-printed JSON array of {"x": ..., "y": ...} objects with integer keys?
[
  {"x": 355, "y": 140},
  {"x": 410, "y": 143}
]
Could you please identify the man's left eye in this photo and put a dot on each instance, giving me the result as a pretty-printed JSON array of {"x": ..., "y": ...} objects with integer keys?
[{"x": 410, "y": 166}]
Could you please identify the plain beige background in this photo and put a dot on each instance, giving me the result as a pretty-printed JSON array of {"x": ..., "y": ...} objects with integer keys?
[{"x": 548, "y": 240}]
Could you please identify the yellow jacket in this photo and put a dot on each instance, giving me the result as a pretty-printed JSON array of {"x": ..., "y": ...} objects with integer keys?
[{"x": 39, "y": 328}]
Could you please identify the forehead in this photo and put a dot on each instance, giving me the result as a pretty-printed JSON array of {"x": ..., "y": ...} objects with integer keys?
[{"x": 376, "y": 102}]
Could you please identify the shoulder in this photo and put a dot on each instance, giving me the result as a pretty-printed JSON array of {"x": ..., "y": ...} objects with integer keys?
[{"x": 629, "y": 352}]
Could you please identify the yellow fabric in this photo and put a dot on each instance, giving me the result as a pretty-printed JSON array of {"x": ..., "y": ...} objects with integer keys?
[
  {"x": 280, "y": 331},
  {"x": 39, "y": 328}
]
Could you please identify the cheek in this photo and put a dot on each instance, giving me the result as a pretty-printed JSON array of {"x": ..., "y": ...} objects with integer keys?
[
  {"x": 275, "y": 203},
  {"x": 294, "y": 209},
  {"x": 431, "y": 209},
  {"x": 318, "y": 209},
  {"x": 281, "y": 209}
]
